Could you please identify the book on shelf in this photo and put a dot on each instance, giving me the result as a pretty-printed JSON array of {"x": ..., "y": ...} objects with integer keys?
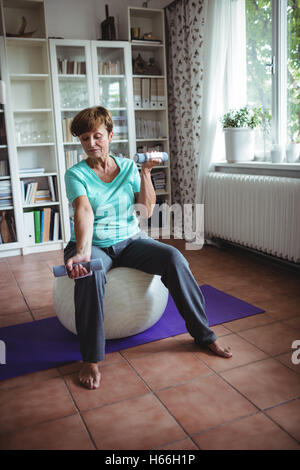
[
  {"x": 37, "y": 226},
  {"x": 32, "y": 194},
  {"x": 24, "y": 171},
  {"x": 41, "y": 226},
  {"x": 4, "y": 171},
  {"x": 66, "y": 128},
  {"x": 145, "y": 41},
  {"x": 110, "y": 68},
  {"x": 72, "y": 157},
  {"x": 71, "y": 67},
  {"x": 51, "y": 187},
  {"x": 137, "y": 92},
  {"x": 46, "y": 228},
  {"x": 7, "y": 227},
  {"x": 160, "y": 93},
  {"x": 3, "y": 140},
  {"x": 153, "y": 93},
  {"x": 28, "y": 190},
  {"x": 145, "y": 92}
]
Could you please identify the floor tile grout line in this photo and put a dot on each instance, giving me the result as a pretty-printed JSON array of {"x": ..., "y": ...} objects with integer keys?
[
  {"x": 212, "y": 428},
  {"x": 23, "y": 296},
  {"x": 276, "y": 423},
  {"x": 156, "y": 396},
  {"x": 258, "y": 410},
  {"x": 25, "y": 428},
  {"x": 221, "y": 377},
  {"x": 78, "y": 410},
  {"x": 226, "y": 423}
]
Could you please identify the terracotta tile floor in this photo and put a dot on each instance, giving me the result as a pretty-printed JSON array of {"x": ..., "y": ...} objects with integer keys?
[{"x": 168, "y": 394}]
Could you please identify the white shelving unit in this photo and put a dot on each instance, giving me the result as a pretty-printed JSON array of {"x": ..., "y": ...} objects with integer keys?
[
  {"x": 106, "y": 81},
  {"x": 30, "y": 121},
  {"x": 150, "y": 93}
]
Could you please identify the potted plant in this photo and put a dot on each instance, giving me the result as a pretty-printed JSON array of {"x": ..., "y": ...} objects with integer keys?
[{"x": 238, "y": 126}]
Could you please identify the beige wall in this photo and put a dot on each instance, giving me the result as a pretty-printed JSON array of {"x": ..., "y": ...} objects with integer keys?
[{"x": 80, "y": 19}]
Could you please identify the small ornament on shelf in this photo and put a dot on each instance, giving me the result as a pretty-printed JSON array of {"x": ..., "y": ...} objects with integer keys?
[
  {"x": 141, "y": 67},
  {"x": 21, "y": 33},
  {"x": 108, "y": 30}
]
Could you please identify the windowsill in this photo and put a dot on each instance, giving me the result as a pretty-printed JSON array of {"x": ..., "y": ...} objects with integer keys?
[{"x": 259, "y": 168}]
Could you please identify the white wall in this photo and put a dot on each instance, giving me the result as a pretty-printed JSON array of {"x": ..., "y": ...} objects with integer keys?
[{"x": 80, "y": 19}]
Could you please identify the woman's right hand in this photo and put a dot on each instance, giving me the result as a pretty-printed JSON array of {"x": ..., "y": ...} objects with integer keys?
[{"x": 79, "y": 270}]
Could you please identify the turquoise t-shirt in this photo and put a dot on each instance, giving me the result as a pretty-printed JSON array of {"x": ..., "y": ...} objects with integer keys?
[{"x": 112, "y": 203}]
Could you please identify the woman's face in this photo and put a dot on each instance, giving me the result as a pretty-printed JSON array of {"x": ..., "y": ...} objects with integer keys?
[{"x": 96, "y": 142}]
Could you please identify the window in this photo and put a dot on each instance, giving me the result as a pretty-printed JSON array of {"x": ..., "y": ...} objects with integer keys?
[
  {"x": 293, "y": 70},
  {"x": 273, "y": 68}
]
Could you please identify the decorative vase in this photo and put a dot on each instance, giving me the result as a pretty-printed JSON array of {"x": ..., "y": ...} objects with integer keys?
[
  {"x": 292, "y": 152},
  {"x": 239, "y": 144},
  {"x": 276, "y": 154}
]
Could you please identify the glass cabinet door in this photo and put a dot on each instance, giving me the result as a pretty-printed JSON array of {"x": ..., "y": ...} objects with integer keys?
[
  {"x": 72, "y": 82},
  {"x": 73, "y": 90},
  {"x": 111, "y": 91}
]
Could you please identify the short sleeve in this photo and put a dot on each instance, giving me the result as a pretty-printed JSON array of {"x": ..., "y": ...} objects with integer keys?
[
  {"x": 74, "y": 187},
  {"x": 136, "y": 179}
]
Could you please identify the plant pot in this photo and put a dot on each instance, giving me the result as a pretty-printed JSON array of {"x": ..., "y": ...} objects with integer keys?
[
  {"x": 239, "y": 144},
  {"x": 292, "y": 152}
]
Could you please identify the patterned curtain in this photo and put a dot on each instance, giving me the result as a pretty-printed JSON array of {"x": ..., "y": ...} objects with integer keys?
[{"x": 185, "y": 21}]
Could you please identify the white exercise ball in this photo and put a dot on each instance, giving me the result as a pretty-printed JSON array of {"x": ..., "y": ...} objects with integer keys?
[{"x": 133, "y": 302}]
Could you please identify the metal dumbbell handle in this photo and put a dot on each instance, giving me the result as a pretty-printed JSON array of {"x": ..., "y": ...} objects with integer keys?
[
  {"x": 144, "y": 157},
  {"x": 93, "y": 265}
]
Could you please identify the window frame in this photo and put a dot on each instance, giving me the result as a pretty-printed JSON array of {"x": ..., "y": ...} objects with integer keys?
[{"x": 279, "y": 75}]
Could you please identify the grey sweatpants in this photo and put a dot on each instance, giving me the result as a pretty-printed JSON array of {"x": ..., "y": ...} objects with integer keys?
[{"x": 148, "y": 255}]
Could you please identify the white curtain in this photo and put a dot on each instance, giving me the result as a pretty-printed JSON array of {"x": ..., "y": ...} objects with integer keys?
[{"x": 224, "y": 79}]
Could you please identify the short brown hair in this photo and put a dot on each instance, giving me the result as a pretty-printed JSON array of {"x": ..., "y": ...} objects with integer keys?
[{"x": 91, "y": 118}]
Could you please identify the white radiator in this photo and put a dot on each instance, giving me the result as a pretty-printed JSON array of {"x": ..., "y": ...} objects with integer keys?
[{"x": 260, "y": 212}]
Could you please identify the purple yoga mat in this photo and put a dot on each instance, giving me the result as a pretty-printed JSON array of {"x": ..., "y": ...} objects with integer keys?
[{"x": 44, "y": 344}]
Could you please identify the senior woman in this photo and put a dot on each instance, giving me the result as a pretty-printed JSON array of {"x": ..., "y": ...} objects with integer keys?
[{"x": 103, "y": 190}]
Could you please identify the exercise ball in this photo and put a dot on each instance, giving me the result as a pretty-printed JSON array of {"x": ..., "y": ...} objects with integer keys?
[{"x": 133, "y": 302}]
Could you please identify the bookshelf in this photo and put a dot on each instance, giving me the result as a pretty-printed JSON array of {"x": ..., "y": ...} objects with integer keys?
[
  {"x": 8, "y": 196},
  {"x": 31, "y": 141},
  {"x": 150, "y": 91}
]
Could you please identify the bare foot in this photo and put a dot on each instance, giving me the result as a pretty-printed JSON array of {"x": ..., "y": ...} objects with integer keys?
[
  {"x": 89, "y": 375},
  {"x": 219, "y": 350}
]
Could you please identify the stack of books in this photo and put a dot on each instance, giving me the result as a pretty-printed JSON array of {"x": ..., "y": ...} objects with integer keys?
[
  {"x": 159, "y": 180},
  {"x": 5, "y": 193},
  {"x": 41, "y": 226}
]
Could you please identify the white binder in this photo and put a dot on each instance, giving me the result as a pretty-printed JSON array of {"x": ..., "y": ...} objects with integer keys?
[{"x": 146, "y": 93}]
